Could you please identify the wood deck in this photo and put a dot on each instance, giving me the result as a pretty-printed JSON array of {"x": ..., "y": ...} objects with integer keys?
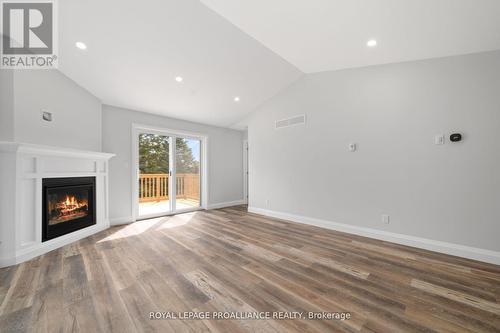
[{"x": 230, "y": 260}]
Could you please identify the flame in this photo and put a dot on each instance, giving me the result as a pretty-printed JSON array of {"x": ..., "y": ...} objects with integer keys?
[{"x": 70, "y": 204}]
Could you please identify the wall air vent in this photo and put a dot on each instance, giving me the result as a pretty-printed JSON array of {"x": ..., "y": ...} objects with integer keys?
[{"x": 293, "y": 121}]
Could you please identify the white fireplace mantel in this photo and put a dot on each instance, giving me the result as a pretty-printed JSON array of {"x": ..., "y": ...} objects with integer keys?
[{"x": 22, "y": 168}]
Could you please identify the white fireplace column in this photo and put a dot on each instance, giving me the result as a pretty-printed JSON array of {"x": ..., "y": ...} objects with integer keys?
[{"x": 22, "y": 168}]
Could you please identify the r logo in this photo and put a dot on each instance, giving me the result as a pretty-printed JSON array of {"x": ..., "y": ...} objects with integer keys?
[{"x": 27, "y": 28}]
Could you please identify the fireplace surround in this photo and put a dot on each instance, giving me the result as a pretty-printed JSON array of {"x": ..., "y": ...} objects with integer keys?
[
  {"x": 69, "y": 204},
  {"x": 27, "y": 171}
]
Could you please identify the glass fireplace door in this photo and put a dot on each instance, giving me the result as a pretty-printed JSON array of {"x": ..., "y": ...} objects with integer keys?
[{"x": 68, "y": 205}]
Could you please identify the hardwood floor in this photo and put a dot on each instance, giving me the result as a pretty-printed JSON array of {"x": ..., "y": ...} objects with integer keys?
[{"x": 230, "y": 260}]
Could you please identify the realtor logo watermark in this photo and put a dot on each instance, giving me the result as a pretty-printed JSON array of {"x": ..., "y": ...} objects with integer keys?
[{"x": 29, "y": 34}]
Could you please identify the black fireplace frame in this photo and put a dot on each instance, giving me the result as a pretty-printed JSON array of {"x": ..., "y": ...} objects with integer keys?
[{"x": 60, "y": 229}]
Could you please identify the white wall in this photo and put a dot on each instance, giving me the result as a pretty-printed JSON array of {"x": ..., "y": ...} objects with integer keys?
[
  {"x": 225, "y": 179},
  {"x": 76, "y": 113},
  {"x": 7, "y": 204},
  {"x": 6, "y": 105},
  {"x": 449, "y": 193}
]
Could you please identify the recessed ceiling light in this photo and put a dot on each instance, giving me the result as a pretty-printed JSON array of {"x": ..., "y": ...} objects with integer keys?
[
  {"x": 371, "y": 43},
  {"x": 236, "y": 99},
  {"x": 81, "y": 45},
  {"x": 178, "y": 79}
]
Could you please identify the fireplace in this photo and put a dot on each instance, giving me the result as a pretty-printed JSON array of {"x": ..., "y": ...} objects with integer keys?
[{"x": 68, "y": 205}]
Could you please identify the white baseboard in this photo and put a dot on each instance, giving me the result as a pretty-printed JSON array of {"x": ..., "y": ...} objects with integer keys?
[
  {"x": 7, "y": 261},
  {"x": 37, "y": 249},
  {"x": 469, "y": 252},
  {"x": 226, "y": 204},
  {"x": 129, "y": 219},
  {"x": 121, "y": 220}
]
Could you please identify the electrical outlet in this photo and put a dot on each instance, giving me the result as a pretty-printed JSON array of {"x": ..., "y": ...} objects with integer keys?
[{"x": 385, "y": 218}]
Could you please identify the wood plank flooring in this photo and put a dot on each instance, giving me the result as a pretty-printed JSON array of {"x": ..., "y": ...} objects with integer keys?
[{"x": 231, "y": 260}]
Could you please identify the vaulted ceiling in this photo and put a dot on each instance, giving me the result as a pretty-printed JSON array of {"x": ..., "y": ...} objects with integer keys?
[
  {"x": 323, "y": 35},
  {"x": 251, "y": 48},
  {"x": 136, "y": 49}
]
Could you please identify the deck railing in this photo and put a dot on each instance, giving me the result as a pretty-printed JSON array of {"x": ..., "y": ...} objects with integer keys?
[{"x": 154, "y": 187}]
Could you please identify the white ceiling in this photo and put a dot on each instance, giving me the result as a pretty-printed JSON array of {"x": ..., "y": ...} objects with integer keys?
[
  {"x": 321, "y": 35},
  {"x": 137, "y": 48}
]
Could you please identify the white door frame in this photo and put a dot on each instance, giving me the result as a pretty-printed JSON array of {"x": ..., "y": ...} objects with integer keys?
[
  {"x": 245, "y": 171},
  {"x": 172, "y": 134}
]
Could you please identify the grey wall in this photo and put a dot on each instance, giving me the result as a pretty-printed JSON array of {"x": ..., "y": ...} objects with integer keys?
[
  {"x": 6, "y": 105},
  {"x": 225, "y": 166},
  {"x": 449, "y": 193},
  {"x": 76, "y": 112}
]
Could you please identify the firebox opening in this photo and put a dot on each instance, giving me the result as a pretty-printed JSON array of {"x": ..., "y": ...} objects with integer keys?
[
  {"x": 65, "y": 207},
  {"x": 68, "y": 205}
]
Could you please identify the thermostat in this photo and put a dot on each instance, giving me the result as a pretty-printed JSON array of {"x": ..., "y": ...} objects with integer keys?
[
  {"x": 47, "y": 116},
  {"x": 455, "y": 137}
]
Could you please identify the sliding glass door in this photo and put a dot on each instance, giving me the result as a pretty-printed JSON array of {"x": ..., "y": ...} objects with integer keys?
[
  {"x": 168, "y": 173},
  {"x": 154, "y": 193},
  {"x": 187, "y": 167}
]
